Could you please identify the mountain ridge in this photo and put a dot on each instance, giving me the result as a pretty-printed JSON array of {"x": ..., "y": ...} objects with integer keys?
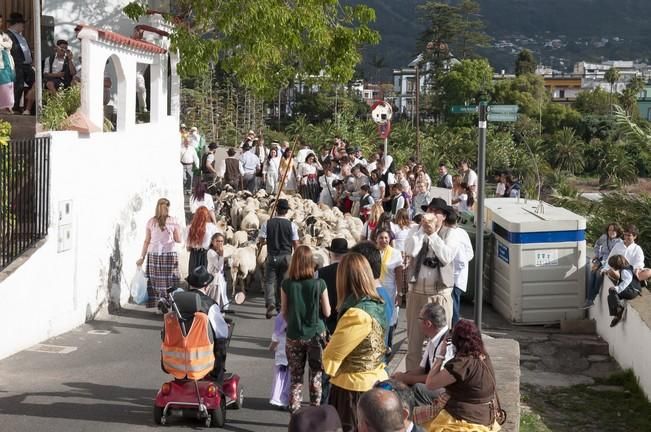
[{"x": 559, "y": 32}]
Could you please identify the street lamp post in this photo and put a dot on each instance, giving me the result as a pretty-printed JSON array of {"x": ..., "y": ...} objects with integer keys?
[{"x": 418, "y": 110}]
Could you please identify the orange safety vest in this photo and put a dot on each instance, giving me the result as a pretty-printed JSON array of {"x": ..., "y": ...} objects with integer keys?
[{"x": 192, "y": 355}]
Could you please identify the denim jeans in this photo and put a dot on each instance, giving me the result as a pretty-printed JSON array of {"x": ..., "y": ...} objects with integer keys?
[
  {"x": 456, "y": 305},
  {"x": 595, "y": 280},
  {"x": 274, "y": 272},
  {"x": 188, "y": 174}
]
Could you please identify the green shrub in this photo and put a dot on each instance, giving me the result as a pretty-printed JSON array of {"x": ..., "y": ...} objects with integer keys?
[{"x": 59, "y": 106}]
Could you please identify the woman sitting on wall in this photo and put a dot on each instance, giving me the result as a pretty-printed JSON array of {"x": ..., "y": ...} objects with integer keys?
[
  {"x": 627, "y": 288},
  {"x": 470, "y": 389}
]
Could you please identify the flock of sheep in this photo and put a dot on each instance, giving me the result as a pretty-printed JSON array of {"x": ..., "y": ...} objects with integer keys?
[{"x": 241, "y": 214}]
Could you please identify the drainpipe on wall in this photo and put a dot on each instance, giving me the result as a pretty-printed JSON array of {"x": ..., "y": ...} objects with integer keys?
[{"x": 37, "y": 57}]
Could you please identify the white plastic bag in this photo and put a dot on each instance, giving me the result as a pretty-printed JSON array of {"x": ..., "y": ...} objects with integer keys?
[{"x": 139, "y": 287}]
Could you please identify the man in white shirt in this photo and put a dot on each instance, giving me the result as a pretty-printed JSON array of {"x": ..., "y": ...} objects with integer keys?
[
  {"x": 59, "y": 69},
  {"x": 189, "y": 160},
  {"x": 432, "y": 250},
  {"x": 434, "y": 327},
  {"x": 461, "y": 263},
  {"x": 208, "y": 169},
  {"x": 250, "y": 164},
  {"x": 468, "y": 176},
  {"x": 195, "y": 139},
  {"x": 631, "y": 251}
]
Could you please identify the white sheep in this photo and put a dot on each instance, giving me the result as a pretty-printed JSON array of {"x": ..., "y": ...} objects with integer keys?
[
  {"x": 240, "y": 238},
  {"x": 243, "y": 265},
  {"x": 250, "y": 222}
]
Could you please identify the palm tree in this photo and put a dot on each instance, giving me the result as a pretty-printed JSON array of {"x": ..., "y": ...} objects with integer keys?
[
  {"x": 568, "y": 151},
  {"x": 378, "y": 62},
  {"x": 611, "y": 76}
]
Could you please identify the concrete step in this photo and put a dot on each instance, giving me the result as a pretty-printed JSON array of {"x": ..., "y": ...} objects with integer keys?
[{"x": 22, "y": 127}]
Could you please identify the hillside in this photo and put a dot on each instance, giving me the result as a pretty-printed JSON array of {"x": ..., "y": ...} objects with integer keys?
[{"x": 560, "y": 32}]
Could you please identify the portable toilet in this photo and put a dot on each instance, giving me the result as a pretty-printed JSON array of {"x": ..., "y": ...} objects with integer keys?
[{"x": 538, "y": 261}]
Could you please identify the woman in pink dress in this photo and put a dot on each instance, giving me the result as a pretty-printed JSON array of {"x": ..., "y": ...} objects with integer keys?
[{"x": 162, "y": 271}]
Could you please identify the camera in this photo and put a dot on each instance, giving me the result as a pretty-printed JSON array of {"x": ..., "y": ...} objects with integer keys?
[{"x": 432, "y": 262}]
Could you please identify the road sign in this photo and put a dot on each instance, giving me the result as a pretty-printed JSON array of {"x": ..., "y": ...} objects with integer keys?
[
  {"x": 384, "y": 130},
  {"x": 463, "y": 109},
  {"x": 381, "y": 112},
  {"x": 503, "y": 109},
  {"x": 493, "y": 117}
]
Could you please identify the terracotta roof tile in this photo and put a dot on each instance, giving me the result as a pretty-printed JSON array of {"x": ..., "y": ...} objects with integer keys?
[{"x": 125, "y": 40}]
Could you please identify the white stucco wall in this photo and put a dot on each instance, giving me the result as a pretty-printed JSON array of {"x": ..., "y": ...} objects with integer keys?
[
  {"x": 629, "y": 341},
  {"x": 113, "y": 181},
  {"x": 67, "y": 14}
]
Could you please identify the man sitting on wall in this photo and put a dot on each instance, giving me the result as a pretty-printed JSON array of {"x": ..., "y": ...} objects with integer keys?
[{"x": 59, "y": 69}]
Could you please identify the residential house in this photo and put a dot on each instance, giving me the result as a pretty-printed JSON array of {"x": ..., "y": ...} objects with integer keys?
[
  {"x": 404, "y": 83},
  {"x": 99, "y": 188}
]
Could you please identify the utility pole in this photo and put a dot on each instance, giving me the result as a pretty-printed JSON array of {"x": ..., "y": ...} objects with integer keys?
[
  {"x": 418, "y": 110},
  {"x": 479, "y": 217},
  {"x": 37, "y": 57}
]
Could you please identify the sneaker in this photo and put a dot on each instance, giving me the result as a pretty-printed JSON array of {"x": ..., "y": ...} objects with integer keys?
[
  {"x": 26, "y": 112},
  {"x": 588, "y": 304},
  {"x": 271, "y": 311}
]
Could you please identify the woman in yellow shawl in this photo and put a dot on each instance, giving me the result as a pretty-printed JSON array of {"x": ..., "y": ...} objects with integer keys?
[{"x": 391, "y": 275}]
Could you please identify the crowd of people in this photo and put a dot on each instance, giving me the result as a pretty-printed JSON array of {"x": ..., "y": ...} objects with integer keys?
[
  {"x": 18, "y": 71},
  {"x": 339, "y": 319}
]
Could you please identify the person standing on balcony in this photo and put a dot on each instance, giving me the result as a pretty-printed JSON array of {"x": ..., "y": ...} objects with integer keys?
[
  {"x": 22, "y": 56},
  {"x": 7, "y": 72}
]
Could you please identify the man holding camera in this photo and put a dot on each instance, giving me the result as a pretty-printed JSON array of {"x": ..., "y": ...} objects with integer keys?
[
  {"x": 58, "y": 70},
  {"x": 432, "y": 250}
]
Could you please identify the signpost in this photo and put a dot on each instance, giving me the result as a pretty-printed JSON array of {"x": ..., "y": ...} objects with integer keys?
[
  {"x": 487, "y": 113},
  {"x": 499, "y": 117},
  {"x": 503, "y": 109},
  {"x": 463, "y": 109},
  {"x": 381, "y": 113}
]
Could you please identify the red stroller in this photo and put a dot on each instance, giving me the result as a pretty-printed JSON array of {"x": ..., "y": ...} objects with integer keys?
[{"x": 200, "y": 389}]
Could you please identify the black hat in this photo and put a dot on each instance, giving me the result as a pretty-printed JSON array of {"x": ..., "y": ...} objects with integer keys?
[
  {"x": 438, "y": 203},
  {"x": 338, "y": 246},
  {"x": 282, "y": 204},
  {"x": 322, "y": 418},
  {"x": 199, "y": 277},
  {"x": 16, "y": 17}
]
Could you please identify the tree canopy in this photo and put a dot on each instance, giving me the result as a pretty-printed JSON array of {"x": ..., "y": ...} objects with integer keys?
[
  {"x": 453, "y": 29},
  {"x": 267, "y": 43},
  {"x": 467, "y": 82},
  {"x": 525, "y": 63}
]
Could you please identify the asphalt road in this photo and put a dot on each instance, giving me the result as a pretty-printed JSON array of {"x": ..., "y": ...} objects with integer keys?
[{"x": 109, "y": 381}]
